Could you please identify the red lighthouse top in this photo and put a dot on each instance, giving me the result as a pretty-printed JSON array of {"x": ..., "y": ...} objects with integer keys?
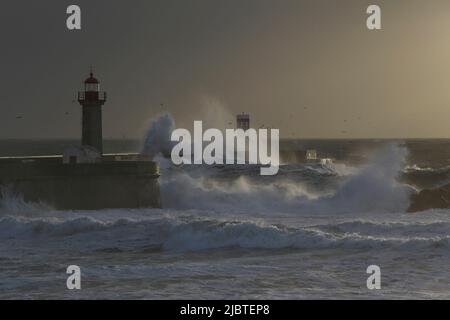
[
  {"x": 91, "y": 84},
  {"x": 91, "y": 79},
  {"x": 91, "y": 94}
]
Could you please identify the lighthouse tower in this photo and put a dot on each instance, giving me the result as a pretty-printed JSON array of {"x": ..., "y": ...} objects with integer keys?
[{"x": 92, "y": 100}]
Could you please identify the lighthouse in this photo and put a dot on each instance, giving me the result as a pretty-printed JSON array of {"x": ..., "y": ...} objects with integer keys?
[{"x": 92, "y": 100}]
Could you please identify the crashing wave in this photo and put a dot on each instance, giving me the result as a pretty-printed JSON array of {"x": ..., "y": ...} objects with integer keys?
[{"x": 193, "y": 234}]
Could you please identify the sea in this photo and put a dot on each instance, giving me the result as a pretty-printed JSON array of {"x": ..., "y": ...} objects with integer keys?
[{"x": 226, "y": 232}]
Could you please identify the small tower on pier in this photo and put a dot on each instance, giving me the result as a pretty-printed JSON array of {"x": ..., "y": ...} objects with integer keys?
[
  {"x": 92, "y": 100},
  {"x": 243, "y": 121}
]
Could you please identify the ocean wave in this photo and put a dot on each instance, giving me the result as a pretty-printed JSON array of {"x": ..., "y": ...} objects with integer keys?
[
  {"x": 12, "y": 203},
  {"x": 194, "y": 234},
  {"x": 426, "y": 177},
  {"x": 404, "y": 229},
  {"x": 416, "y": 168}
]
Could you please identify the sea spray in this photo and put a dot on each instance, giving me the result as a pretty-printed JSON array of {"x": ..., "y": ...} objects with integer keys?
[
  {"x": 13, "y": 204},
  {"x": 375, "y": 187},
  {"x": 214, "y": 114},
  {"x": 372, "y": 188},
  {"x": 157, "y": 138}
]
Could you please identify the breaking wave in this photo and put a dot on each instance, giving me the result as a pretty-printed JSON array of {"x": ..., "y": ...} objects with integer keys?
[
  {"x": 194, "y": 234},
  {"x": 300, "y": 188},
  {"x": 426, "y": 177},
  {"x": 297, "y": 188},
  {"x": 415, "y": 168}
]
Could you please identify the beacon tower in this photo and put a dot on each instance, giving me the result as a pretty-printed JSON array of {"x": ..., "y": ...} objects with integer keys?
[
  {"x": 243, "y": 121},
  {"x": 92, "y": 100}
]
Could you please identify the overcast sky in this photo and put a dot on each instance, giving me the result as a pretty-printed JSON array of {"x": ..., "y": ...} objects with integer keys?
[{"x": 310, "y": 68}]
